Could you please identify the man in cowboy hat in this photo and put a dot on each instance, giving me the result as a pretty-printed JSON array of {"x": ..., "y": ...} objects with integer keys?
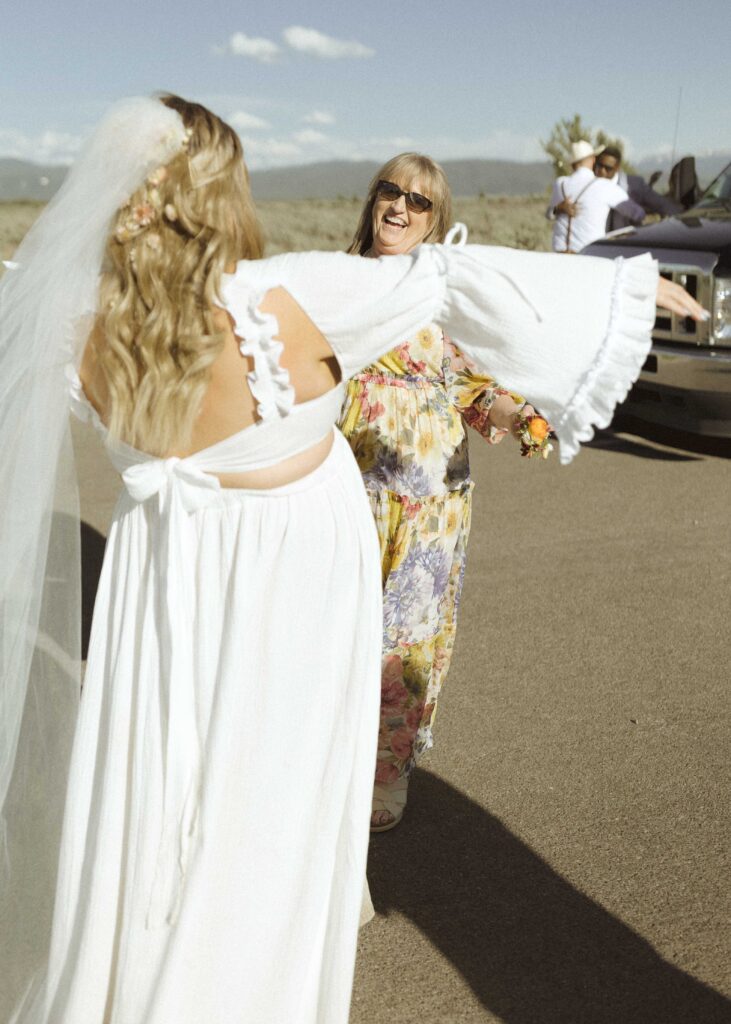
[{"x": 581, "y": 202}]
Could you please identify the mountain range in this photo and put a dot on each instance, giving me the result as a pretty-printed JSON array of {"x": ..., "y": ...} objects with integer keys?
[{"x": 21, "y": 179}]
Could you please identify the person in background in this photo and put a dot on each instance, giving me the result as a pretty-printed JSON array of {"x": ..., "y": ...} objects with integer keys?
[
  {"x": 608, "y": 166},
  {"x": 405, "y": 417},
  {"x": 581, "y": 202}
]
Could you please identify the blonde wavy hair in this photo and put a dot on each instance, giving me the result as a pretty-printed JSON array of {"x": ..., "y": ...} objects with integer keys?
[
  {"x": 403, "y": 170},
  {"x": 166, "y": 252}
]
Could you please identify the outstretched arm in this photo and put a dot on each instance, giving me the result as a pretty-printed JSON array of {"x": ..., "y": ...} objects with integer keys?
[
  {"x": 651, "y": 200},
  {"x": 484, "y": 405},
  {"x": 631, "y": 210},
  {"x": 571, "y": 333}
]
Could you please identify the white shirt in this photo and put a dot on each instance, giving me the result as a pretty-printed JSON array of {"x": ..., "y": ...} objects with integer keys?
[{"x": 595, "y": 197}]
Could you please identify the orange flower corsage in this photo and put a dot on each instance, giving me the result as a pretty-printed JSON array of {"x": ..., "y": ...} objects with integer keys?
[{"x": 534, "y": 434}]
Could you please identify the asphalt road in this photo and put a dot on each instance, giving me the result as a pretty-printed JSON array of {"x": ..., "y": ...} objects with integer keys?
[
  {"x": 564, "y": 858},
  {"x": 565, "y": 854}
]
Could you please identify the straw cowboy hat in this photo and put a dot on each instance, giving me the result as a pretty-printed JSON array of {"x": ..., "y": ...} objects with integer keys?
[{"x": 582, "y": 149}]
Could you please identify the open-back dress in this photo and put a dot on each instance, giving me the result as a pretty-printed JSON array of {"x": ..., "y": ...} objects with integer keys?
[{"x": 217, "y": 813}]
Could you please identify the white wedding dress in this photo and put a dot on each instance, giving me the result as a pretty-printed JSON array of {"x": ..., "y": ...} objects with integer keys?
[{"x": 216, "y": 824}]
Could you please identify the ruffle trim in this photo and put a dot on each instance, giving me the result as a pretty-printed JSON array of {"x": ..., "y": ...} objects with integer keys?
[
  {"x": 620, "y": 358},
  {"x": 269, "y": 381}
]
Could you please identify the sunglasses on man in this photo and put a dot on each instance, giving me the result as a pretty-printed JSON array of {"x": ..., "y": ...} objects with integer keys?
[{"x": 414, "y": 201}]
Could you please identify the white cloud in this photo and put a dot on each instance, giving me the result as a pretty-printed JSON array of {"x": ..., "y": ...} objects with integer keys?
[
  {"x": 319, "y": 117},
  {"x": 302, "y": 147},
  {"x": 49, "y": 146},
  {"x": 317, "y": 44},
  {"x": 499, "y": 145},
  {"x": 244, "y": 121},
  {"x": 270, "y": 151},
  {"x": 264, "y": 50},
  {"x": 309, "y": 137},
  {"x": 508, "y": 145},
  {"x": 310, "y": 144}
]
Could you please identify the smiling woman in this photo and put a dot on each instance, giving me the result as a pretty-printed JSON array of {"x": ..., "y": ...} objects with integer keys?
[
  {"x": 400, "y": 219},
  {"x": 405, "y": 417},
  {"x": 392, "y": 222}
]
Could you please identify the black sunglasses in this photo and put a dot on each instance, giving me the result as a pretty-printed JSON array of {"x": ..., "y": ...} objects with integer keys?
[{"x": 415, "y": 202}]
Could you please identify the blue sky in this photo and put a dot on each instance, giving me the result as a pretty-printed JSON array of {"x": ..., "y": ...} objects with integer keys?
[{"x": 315, "y": 81}]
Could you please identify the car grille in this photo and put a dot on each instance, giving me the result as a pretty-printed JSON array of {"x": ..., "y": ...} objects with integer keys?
[{"x": 672, "y": 326}]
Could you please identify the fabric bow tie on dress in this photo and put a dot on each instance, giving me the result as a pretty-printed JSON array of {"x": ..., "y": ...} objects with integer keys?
[
  {"x": 182, "y": 489},
  {"x": 154, "y": 476}
]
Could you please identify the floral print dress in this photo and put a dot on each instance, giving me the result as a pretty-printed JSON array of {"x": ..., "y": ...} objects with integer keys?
[{"x": 404, "y": 418}]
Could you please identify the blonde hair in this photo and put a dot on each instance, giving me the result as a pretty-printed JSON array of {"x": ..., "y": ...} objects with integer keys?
[
  {"x": 403, "y": 170},
  {"x": 165, "y": 255}
]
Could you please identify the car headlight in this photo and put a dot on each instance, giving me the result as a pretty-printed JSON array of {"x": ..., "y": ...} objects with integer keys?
[{"x": 722, "y": 310}]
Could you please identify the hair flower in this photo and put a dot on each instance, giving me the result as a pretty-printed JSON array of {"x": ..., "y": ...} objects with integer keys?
[
  {"x": 158, "y": 176},
  {"x": 143, "y": 214}
]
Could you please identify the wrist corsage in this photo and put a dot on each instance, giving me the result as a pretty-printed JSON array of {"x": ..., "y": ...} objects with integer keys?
[{"x": 533, "y": 432}]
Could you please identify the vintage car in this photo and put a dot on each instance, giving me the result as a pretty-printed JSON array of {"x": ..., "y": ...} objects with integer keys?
[{"x": 685, "y": 383}]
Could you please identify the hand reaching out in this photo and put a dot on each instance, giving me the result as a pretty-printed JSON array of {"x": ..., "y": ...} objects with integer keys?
[
  {"x": 508, "y": 417},
  {"x": 675, "y": 298}
]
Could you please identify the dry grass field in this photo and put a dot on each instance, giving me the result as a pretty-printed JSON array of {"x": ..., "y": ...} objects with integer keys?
[{"x": 516, "y": 221}]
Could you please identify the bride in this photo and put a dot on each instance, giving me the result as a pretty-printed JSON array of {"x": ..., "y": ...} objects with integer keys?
[{"x": 196, "y": 854}]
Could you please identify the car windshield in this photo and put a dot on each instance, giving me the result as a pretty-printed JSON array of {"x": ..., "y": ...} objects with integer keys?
[{"x": 718, "y": 192}]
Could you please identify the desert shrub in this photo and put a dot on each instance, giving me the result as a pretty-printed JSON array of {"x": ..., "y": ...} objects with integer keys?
[{"x": 515, "y": 221}]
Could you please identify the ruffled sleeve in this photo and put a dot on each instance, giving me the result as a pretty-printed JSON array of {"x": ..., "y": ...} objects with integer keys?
[{"x": 570, "y": 332}]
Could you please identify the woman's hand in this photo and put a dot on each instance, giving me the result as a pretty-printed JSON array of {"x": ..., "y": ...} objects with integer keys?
[
  {"x": 675, "y": 298},
  {"x": 521, "y": 411},
  {"x": 503, "y": 417},
  {"x": 532, "y": 431}
]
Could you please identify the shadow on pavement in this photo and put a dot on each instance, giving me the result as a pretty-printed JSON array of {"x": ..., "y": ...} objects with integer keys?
[
  {"x": 609, "y": 440},
  {"x": 92, "y": 556},
  {"x": 533, "y": 948},
  {"x": 686, "y": 446}
]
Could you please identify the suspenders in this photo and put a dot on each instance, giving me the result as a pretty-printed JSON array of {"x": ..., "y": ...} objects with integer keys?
[{"x": 568, "y": 229}]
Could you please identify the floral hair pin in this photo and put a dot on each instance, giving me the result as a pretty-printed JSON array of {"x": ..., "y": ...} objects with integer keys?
[{"x": 141, "y": 215}]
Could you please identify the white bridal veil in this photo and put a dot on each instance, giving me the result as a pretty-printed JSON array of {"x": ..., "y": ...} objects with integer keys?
[{"x": 46, "y": 305}]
